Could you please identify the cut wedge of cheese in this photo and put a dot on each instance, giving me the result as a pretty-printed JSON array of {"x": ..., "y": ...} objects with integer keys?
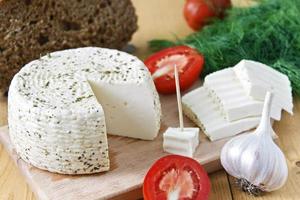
[
  {"x": 235, "y": 103},
  {"x": 205, "y": 111},
  {"x": 257, "y": 78},
  {"x": 62, "y": 105}
]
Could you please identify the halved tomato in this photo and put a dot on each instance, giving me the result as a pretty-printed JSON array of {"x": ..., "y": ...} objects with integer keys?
[
  {"x": 161, "y": 65},
  {"x": 176, "y": 177}
]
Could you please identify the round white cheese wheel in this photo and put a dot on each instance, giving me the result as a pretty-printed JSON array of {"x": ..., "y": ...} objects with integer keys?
[{"x": 62, "y": 105}]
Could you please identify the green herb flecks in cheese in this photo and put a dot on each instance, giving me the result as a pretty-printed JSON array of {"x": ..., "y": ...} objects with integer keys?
[{"x": 62, "y": 105}]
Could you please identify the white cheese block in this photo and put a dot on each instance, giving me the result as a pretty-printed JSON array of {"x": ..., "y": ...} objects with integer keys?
[
  {"x": 179, "y": 142},
  {"x": 257, "y": 78},
  {"x": 235, "y": 103},
  {"x": 62, "y": 105},
  {"x": 204, "y": 110}
]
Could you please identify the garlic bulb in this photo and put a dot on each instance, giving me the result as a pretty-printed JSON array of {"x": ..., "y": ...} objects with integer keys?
[{"x": 254, "y": 159}]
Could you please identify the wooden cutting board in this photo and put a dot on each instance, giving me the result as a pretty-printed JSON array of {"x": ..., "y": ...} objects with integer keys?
[{"x": 130, "y": 160}]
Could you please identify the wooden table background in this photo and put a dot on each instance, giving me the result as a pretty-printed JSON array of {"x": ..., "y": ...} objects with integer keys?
[{"x": 163, "y": 19}]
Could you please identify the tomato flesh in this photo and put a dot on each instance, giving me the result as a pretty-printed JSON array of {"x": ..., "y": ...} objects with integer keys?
[
  {"x": 176, "y": 177},
  {"x": 166, "y": 65},
  {"x": 161, "y": 65},
  {"x": 178, "y": 184}
]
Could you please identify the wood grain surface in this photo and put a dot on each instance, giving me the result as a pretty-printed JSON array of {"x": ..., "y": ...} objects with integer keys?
[{"x": 163, "y": 19}]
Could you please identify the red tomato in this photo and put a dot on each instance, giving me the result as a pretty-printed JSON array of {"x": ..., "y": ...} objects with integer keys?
[
  {"x": 178, "y": 177},
  {"x": 161, "y": 65},
  {"x": 198, "y": 12},
  {"x": 220, "y": 6},
  {"x": 221, "y": 3}
]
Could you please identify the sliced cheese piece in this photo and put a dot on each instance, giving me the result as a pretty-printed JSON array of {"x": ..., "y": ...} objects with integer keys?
[
  {"x": 61, "y": 106},
  {"x": 257, "y": 78},
  {"x": 235, "y": 104},
  {"x": 179, "y": 142},
  {"x": 205, "y": 111}
]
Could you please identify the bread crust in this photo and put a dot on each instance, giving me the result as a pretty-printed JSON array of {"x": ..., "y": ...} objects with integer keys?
[{"x": 31, "y": 28}]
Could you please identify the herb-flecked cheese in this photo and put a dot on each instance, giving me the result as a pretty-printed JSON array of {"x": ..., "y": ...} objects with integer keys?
[{"x": 62, "y": 106}]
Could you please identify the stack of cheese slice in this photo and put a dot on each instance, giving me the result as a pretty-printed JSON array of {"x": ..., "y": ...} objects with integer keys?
[
  {"x": 62, "y": 105},
  {"x": 231, "y": 100}
]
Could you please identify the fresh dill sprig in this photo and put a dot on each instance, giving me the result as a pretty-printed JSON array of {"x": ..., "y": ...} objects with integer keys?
[{"x": 268, "y": 32}]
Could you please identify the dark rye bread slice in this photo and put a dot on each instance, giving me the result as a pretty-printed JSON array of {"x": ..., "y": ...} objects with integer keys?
[{"x": 31, "y": 28}]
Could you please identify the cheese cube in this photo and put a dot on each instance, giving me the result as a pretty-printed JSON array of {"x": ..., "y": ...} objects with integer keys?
[{"x": 181, "y": 142}]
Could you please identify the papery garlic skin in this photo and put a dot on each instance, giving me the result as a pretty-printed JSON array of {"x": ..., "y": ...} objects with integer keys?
[
  {"x": 261, "y": 163},
  {"x": 255, "y": 157}
]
